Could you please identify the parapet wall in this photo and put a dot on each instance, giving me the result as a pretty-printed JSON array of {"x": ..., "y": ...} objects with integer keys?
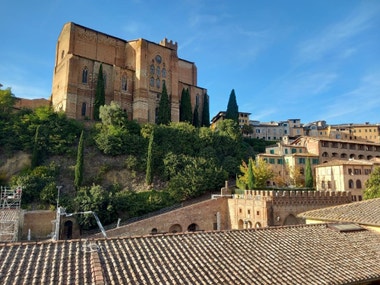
[{"x": 296, "y": 196}]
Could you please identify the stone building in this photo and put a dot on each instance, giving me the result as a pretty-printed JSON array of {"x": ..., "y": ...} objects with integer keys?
[{"x": 134, "y": 73}]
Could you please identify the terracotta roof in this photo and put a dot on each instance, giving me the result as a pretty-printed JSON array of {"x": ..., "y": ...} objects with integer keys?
[
  {"x": 337, "y": 162},
  {"x": 364, "y": 212},
  {"x": 313, "y": 254}
]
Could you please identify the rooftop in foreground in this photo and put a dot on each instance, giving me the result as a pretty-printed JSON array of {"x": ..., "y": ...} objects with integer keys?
[{"x": 311, "y": 254}]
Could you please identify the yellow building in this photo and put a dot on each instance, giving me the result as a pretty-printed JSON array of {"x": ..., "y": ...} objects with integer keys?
[
  {"x": 344, "y": 175},
  {"x": 134, "y": 73}
]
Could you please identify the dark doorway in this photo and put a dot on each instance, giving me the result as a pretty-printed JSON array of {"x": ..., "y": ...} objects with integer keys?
[{"x": 68, "y": 229}]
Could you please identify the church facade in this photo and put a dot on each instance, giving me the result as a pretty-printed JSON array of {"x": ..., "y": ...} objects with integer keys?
[{"x": 133, "y": 71}]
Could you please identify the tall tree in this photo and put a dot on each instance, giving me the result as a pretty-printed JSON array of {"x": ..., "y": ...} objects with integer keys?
[
  {"x": 185, "y": 112},
  {"x": 251, "y": 176},
  {"x": 164, "y": 112},
  {"x": 149, "y": 161},
  {"x": 205, "y": 111},
  {"x": 309, "y": 181},
  {"x": 100, "y": 95},
  {"x": 196, "y": 117},
  {"x": 79, "y": 165},
  {"x": 372, "y": 185},
  {"x": 36, "y": 149},
  {"x": 232, "y": 112}
]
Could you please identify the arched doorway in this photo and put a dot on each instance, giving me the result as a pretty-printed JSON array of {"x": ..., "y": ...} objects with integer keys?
[
  {"x": 291, "y": 220},
  {"x": 257, "y": 225},
  {"x": 192, "y": 228},
  {"x": 176, "y": 228},
  {"x": 241, "y": 224},
  {"x": 68, "y": 230}
]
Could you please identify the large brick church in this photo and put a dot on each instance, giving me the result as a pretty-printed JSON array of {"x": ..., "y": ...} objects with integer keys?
[{"x": 134, "y": 72}]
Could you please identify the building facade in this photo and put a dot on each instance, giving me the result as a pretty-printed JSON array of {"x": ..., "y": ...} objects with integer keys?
[
  {"x": 243, "y": 119},
  {"x": 133, "y": 71},
  {"x": 344, "y": 175}
]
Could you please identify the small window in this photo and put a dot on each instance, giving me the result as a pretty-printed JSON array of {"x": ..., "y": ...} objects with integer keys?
[
  {"x": 84, "y": 75},
  {"x": 158, "y": 83},
  {"x": 350, "y": 184},
  {"x": 152, "y": 69},
  {"x": 358, "y": 184},
  {"x": 151, "y": 82},
  {"x": 257, "y": 213},
  {"x": 124, "y": 83},
  {"x": 163, "y": 72},
  {"x": 84, "y": 106}
]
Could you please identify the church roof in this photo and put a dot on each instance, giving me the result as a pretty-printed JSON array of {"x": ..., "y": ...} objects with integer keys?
[{"x": 312, "y": 254}]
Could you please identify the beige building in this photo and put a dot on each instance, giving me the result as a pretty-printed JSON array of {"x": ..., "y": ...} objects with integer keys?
[
  {"x": 275, "y": 131},
  {"x": 288, "y": 163},
  {"x": 134, "y": 73},
  {"x": 365, "y": 132},
  {"x": 344, "y": 175},
  {"x": 243, "y": 119},
  {"x": 331, "y": 149}
]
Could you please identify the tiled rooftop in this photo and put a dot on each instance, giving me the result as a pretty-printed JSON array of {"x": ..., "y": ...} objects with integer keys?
[
  {"x": 313, "y": 254},
  {"x": 364, "y": 212}
]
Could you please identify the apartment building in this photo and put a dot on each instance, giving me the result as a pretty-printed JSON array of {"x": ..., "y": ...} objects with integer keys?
[
  {"x": 243, "y": 119},
  {"x": 344, "y": 175},
  {"x": 275, "y": 131}
]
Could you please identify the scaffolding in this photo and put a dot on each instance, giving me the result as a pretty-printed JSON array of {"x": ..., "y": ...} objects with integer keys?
[{"x": 10, "y": 202}]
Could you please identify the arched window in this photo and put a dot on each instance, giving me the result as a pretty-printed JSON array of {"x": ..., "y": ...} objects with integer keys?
[
  {"x": 352, "y": 156},
  {"x": 84, "y": 75},
  {"x": 158, "y": 83},
  {"x": 84, "y": 106},
  {"x": 325, "y": 154},
  {"x": 163, "y": 72},
  {"x": 152, "y": 69},
  {"x": 358, "y": 184},
  {"x": 350, "y": 184},
  {"x": 158, "y": 71},
  {"x": 151, "y": 82},
  {"x": 193, "y": 228},
  {"x": 124, "y": 83},
  {"x": 175, "y": 228},
  {"x": 153, "y": 231},
  {"x": 343, "y": 155}
]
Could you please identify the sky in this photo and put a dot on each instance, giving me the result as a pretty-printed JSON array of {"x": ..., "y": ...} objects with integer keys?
[{"x": 295, "y": 59}]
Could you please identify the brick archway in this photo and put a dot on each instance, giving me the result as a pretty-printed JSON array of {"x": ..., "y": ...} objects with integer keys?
[{"x": 176, "y": 228}]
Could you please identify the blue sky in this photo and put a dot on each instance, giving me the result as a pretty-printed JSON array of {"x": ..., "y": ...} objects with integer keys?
[{"x": 311, "y": 60}]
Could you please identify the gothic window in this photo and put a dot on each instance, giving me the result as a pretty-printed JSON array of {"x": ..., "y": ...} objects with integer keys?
[
  {"x": 84, "y": 75},
  {"x": 158, "y": 83},
  {"x": 163, "y": 72},
  {"x": 84, "y": 109},
  {"x": 158, "y": 71},
  {"x": 124, "y": 83},
  {"x": 152, "y": 69},
  {"x": 151, "y": 83}
]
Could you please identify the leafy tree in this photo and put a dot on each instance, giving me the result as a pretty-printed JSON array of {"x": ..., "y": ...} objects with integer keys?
[
  {"x": 372, "y": 185},
  {"x": 7, "y": 101},
  {"x": 232, "y": 112},
  {"x": 262, "y": 172},
  {"x": 113, "y": 115},
  {"x": 185, "y": 112},
  {"x": 247, "y": 129},
  {"x": 100, "y": 95},
  {"x": 251, "y": 177},
  {"x": 229, "y": 128},
  {"x": 192, "y": 176},
  {"x": 205, "y": 112},
  {"x": 95, "y": 199},
  {"x": 309, "y": 181},
  {"x": 196, "y": 117},
  {"x": 79, "y": 165},
  {"x": 37, "y": 184},
  {"x": 149, "y": 162},
  {"x": 164, "y": 112}
]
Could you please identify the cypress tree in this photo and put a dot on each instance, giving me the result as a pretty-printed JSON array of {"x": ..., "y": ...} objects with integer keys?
[
  {"x": 232, "y": 112},
  {"x": 186, "y": 114},
  {"x": 149, "y": 161},
  {"x": 205, "y": 111},
  {"x": 100, "y": 95},
  {"x": 196, "y": 117},
  {"x": 164, "y": 115},
  {"x": 79, "y": 165},
  {"x": 309, "y": 182},
  {"x": 251, "y": 177},
  {"x": 36, "y": 149}
]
